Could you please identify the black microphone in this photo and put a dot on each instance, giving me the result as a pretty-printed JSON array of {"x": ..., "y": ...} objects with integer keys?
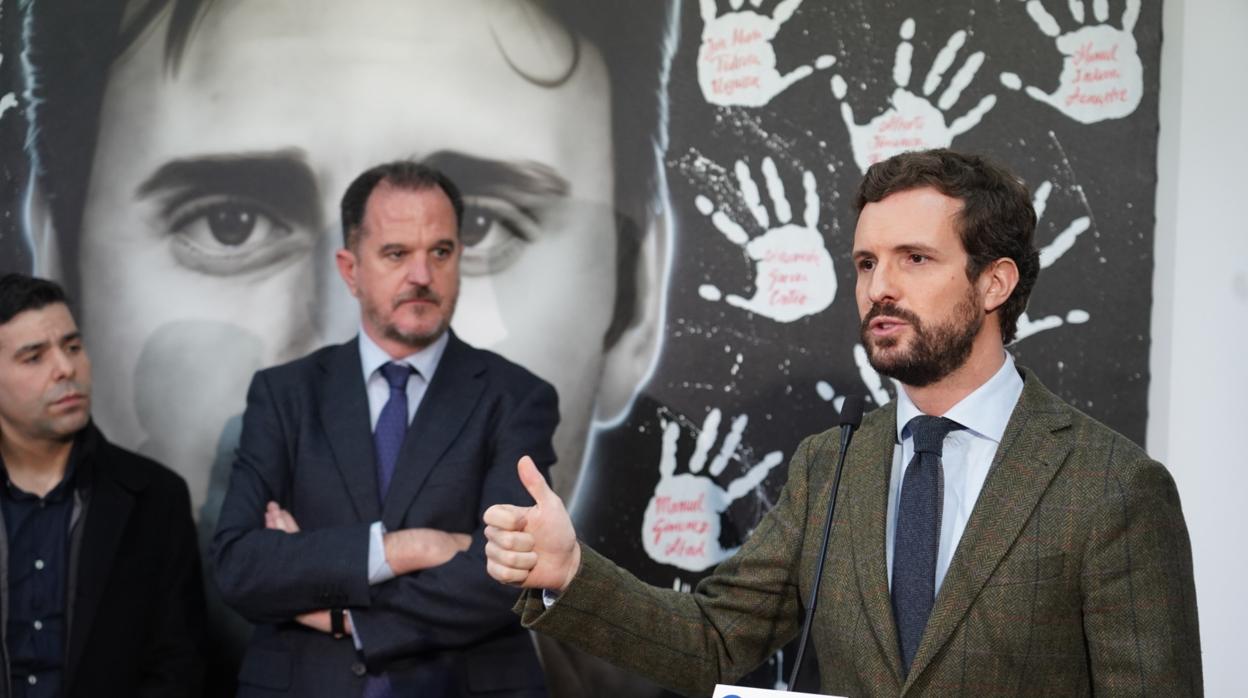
[{"x": 851, "y": 417}]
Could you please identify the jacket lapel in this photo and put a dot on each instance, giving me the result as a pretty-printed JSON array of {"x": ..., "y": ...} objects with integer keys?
[
  {"x": 871, "y": 458},
  {"x": 344, "y": 417},
  {"x": 448, "y": 403},
  {"x": 108, "y": 506},
  {"x": 1031, "y": 450}
]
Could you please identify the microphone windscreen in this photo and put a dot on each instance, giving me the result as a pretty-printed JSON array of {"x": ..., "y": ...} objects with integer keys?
[{"x": 851, "y": 411}]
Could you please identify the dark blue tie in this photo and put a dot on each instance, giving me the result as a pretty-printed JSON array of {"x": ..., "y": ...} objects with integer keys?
[
  {"x": 917, "y": 536},
  {"x": 387, "y": 440},
  {"x": 391, "y": 424}
]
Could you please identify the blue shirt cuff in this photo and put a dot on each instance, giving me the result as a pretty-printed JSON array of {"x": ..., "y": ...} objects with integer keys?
[{"x": 378, "y": 569}]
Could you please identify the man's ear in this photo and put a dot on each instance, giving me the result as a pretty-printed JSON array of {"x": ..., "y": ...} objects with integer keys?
[
  {"x": 997, "y": 282},
  {"x": 345, "y": 259},
  {"x": 627, "y": 363},
  {"x": 45, "y": 245}
]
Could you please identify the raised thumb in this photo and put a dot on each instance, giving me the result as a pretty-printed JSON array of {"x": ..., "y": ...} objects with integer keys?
[{"x": 533, "y": 481}]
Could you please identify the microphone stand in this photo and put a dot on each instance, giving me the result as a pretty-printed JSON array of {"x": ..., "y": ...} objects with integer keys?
[{"x": 851, "y": 417}]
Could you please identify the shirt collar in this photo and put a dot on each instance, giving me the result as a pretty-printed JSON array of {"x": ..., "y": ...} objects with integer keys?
[
  {"x": 425, "y": 361},
  {"x": 84, "y": 443},
  {"x": 986, "y": 411}
]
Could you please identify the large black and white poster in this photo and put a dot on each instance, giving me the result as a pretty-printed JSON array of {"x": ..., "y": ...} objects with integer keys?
[{"x": 659, "y": 224}]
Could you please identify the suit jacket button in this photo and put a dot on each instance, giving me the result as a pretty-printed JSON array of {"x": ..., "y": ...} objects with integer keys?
[{"x": 358, "y": 668}]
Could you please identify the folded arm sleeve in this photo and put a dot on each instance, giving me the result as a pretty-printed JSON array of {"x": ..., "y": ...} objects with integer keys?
[{"x": 271, "y": 576}]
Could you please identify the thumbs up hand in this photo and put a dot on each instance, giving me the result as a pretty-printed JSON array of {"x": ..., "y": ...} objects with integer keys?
[{"x": 532, "y": 547}]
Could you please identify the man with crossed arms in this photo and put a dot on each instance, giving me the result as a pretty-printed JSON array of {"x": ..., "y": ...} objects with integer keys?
[
  {"x": 990, "y": 538},
  {"x": 363, "y": 469}
]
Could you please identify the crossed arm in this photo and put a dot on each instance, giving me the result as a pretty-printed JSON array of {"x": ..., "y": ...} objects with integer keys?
[
  {"x": 272, "y": 570},
  {"x": 407, "y": 550}
]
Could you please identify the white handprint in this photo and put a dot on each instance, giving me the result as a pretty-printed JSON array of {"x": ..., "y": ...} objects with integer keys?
[
  {"x": 913, "y": 122},
  {"x": 1049, "y": 254},
  {"x": 1102, "y": 76},
  {"x": 794, "y": 273},
  {"x": 682, "y": 522},
  {"x": 737, "y": 63}
]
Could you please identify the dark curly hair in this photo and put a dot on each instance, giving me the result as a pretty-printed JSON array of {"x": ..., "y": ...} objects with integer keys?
[{"x": 997, "y": 219}]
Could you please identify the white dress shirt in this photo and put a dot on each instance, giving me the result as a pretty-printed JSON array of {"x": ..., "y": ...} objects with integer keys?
[
  {"x": 966, "y": 460},
  {"x": 373, "y": 357}
]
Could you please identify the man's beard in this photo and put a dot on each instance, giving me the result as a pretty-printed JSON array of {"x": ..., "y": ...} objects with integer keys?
[
  {"x": 417, "y": 340},
  {"x": 934, "y": 352}
]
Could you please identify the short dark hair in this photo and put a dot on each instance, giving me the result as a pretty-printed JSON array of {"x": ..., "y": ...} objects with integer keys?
[
  {"x": 408, "y": 175},
  {"x": 21, "y": 292},
  {"x": 997, "y": 219}
]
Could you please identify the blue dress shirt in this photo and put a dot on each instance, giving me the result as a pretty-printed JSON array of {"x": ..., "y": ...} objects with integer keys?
[{"x": 967, "y": 459}]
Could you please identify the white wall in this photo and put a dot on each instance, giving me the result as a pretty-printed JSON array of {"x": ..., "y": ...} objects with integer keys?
[{"x": 1197, "y": 422}]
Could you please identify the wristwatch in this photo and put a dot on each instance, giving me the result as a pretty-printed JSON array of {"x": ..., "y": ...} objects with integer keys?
[{"x": 337, "y": 623}]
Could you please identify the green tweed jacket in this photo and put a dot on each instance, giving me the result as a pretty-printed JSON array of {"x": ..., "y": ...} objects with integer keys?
[{"x": 1074, "y": 577}]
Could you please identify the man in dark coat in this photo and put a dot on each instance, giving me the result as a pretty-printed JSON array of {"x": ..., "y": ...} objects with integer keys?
[{"x": 100, "y": 591}]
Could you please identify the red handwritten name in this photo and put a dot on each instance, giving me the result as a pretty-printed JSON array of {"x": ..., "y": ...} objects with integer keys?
[
  {"x": 681, "y": 548},
  {"x": 722, "y": 86},
  {"x": 741, "y": 37},
  {"x": 898, "y": 123},
  {"x": 662, "y": 527},
  {"x": 667, "y": 505},
  {"x": 790, "y": 296},
  {"x": 1086, "y": 54},
  {"x": 1099, "y": 99},
  {"x": 911, "y": 143},
  {"x": 776, "y": 278},
  {"x": 790, "y": 257},
  {"x": 712, "y": 46},
  {"x": 1097, "y": 75},
  {"x": 736, "y": 61}
]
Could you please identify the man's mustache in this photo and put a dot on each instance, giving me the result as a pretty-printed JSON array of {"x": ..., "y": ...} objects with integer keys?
[
  {"x": 420, "y": 293},
  {"x": 890, "y": 310}
]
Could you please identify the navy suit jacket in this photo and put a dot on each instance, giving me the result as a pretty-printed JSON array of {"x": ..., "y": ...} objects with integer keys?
[{"x": 307, "y": 444}]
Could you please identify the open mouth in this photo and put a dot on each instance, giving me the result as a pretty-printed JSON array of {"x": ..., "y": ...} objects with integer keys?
[{"x": 884, "y": 326}]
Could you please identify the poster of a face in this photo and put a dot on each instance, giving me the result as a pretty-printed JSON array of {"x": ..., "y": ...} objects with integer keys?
[{"x": 659, "y": 211}]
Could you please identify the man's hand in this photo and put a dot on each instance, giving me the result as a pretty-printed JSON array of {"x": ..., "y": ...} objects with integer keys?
[
  {"x": 278, "y": 519},
  {"x": 533, "y": 547},
  {"x": 413, "y": 549},
  {"x": 319, "y": 620}
]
